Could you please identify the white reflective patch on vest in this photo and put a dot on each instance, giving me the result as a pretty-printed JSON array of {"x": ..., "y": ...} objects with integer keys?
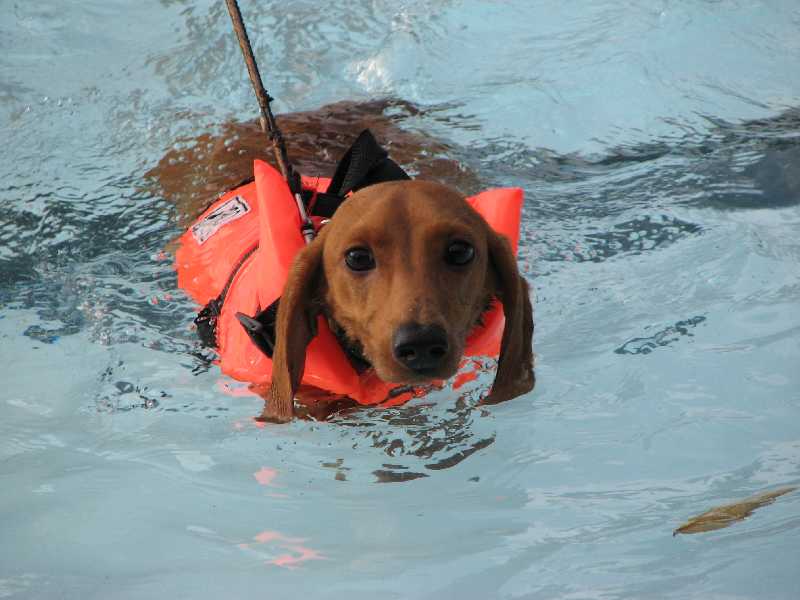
[{"x": 228, "y": 211}]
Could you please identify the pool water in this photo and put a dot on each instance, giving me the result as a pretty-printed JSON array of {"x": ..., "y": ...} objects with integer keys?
[{"x": 659, "y": 147}]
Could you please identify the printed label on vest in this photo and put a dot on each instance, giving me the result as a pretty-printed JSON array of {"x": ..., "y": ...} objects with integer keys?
[{"x": 222, "y": 215}]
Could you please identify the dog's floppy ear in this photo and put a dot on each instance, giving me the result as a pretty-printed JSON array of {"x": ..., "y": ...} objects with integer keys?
[
  {"x": 515, "y": 365},
  {"x": 295, "y": 327}
]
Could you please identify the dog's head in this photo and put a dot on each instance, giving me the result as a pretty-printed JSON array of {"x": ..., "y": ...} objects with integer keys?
[{"x": 404, "y": 270}]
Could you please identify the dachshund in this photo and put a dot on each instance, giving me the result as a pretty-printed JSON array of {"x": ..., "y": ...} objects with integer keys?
[{"x": 404, "y": 270}]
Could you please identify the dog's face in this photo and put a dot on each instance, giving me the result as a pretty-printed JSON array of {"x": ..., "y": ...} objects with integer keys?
[
  {"x": 404, "y": 269},
  {"x": 406, "y": 277}
]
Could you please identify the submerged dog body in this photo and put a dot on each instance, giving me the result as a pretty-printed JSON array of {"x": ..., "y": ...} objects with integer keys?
[
  {"x": 404, "y": 271},
  {"x": 200, "y": 167}
]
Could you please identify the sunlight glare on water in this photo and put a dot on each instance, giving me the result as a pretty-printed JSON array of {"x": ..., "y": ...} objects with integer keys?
[{"x": 659, "y": 147}]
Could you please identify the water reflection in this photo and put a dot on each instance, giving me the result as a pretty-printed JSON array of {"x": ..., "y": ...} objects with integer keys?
[{"x": 423, "y": 437}]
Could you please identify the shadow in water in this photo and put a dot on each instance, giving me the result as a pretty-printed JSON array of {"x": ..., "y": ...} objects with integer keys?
[
  {"x": 748, "y": 164},
  {"x": 664, "y": 337}
]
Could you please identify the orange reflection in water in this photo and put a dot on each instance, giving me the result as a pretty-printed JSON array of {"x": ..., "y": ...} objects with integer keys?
[
  {"x": 293, "y": 550},
  {"x": 265, "y": 475}
]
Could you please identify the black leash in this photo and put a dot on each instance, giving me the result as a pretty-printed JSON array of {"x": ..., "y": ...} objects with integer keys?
[{"x": 267, "y": 120}]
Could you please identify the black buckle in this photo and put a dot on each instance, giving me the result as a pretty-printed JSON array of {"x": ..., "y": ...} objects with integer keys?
[
  {"x": 261, "y": 327},
  {"x": 206, "y": 322}
]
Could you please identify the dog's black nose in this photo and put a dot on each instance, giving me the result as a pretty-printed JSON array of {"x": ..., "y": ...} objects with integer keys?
[{"x": 420, "y": 347}]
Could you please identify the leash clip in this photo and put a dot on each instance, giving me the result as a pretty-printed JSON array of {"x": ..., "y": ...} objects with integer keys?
[{"x": 306, "y": 226}]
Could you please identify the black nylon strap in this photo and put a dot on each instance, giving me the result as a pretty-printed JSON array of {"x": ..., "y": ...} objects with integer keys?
[
  {"x": 325, "y": 204},
  {"x": 365, "y": 163},
  {"x": 261, "y": 327}
]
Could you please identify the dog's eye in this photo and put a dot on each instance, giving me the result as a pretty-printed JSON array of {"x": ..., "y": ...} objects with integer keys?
[
  {"x": 359, "y": 259},
  {"x": 459, "y": 253}
]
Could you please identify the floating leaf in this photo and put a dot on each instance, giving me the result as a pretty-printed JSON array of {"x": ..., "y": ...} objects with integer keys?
[{"x": 728, "y": 514}]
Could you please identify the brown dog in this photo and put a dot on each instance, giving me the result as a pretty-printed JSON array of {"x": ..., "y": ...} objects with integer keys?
[{"x": 404, "y": 270}]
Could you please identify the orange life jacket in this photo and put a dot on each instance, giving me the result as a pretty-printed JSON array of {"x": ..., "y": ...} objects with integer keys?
[{"x": 236, "y": 257}]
